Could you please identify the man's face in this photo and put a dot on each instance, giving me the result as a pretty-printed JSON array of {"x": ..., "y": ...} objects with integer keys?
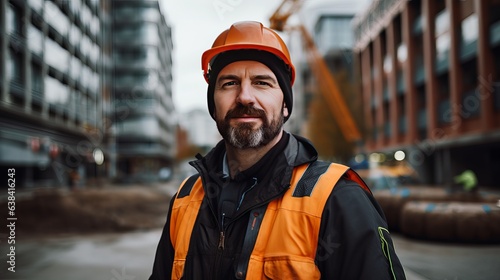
[{"x": 249, "y": 107}]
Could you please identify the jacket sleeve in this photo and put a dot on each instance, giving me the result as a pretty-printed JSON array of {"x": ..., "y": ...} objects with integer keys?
[
  {"x": 164, "y": 258},
  {"x": 354, "y": 242}
]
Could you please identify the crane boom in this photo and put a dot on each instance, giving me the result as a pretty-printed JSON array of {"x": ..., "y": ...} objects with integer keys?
[{"x": 328, "y": 85}]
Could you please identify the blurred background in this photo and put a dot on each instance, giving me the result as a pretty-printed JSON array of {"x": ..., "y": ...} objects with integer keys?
[
  {"x": 94, "y": 87},
  {"x": 103, "y": 104}
]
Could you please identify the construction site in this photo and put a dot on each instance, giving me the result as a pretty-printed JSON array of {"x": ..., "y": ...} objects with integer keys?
[{"x": 406, "y": 93}]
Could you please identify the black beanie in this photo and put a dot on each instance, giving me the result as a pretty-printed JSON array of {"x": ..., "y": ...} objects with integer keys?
[{"x": 279, "y": 68}]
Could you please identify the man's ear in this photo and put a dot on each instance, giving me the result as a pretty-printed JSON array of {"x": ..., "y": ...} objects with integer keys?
[
  {"x": 214, "y": 113},
  {"x": 285, "y": 110}
]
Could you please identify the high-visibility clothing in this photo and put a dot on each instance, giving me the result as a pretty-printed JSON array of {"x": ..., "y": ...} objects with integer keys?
[{"x": 286, "y": 241}]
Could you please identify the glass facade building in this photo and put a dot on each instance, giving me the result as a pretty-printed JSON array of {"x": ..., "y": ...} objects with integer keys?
[
  {"x": 80, "y": 79},
  {"x": 50, "y": 102},
  {"x": 144, "y": 121}
]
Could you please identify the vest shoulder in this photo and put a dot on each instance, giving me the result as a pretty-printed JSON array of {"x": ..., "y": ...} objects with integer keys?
[{"x": 187, "y": 186}]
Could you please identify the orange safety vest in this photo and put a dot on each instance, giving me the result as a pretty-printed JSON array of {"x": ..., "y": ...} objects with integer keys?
[{"x": 286, "y": 242}]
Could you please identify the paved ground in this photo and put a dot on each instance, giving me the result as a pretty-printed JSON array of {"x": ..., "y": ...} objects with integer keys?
[
  {"x": 107, "y": 257},
  {"x": 130, "y": 256},
  {"x": 441, "y": 261}
]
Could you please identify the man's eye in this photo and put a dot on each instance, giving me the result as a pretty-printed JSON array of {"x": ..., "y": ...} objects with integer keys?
[
  {"x": 262, "y": 83},
  {"x": 230, "y": 83}
]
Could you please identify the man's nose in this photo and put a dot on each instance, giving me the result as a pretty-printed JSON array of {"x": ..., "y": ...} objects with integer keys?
[{"x": 246, "y": 95}]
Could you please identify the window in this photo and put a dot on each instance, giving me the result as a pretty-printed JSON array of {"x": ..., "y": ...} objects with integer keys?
[
  {"x": 95, "y": 3},
  {"x": 442, "y": 22},
  {"x": 94, "y": 53},
  {"x": 95, "y": 26},
  {"x": 35, "y": 40},
  {"x": 75, "y": 35},
  {"x": 14, "y": 66},
  {"x": 76, "y": 68},
  {"x": 126, "y": 12},
  {"x": 86, "y": 46},
  {"x": 36, "y": 4},
  {"x": 471, "y": 104},
  {"x": 96, "y": 82},
  {"x": 85, "y": 78},
  {"x": 132, "y": 79},
  {"x": 442, "y": 35},
  {"x": 402, "y": 53},
  {"x": 55, "y": 17},
  {"x": 131, "y": 54},
  {"x": 442, "y": 46},
  {"x": 36, "y": 78},
  {"x": 444, "y": 113},
  {"x": 334, "y": 33},
  {"x": 140, "y": 126},
  {"x": 148, "y": 32},
  {"x": 13, "y": 24},
  {"x": 36, "y": 83},
  {"x": 85, "y": 15},
  {"x": 56, "y": 56},
  {"x": 82, "y": 109},
  {"x": 387, "y": 64},
  {"x": 470, "y": 27},
  {"x": 55, "y": 91}
]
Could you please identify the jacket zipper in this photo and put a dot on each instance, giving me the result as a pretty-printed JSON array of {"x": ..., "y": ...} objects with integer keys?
[
  {"x": 222, "y": 235},
  {"x": 220, "y": 247}
]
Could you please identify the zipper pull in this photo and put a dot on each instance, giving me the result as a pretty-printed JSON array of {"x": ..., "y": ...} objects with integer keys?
[
  {"x": 221, "y": 240},
  {"x": 221, "y": 235}
]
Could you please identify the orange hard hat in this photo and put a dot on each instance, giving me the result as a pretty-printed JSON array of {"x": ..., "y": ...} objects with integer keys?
[{"x": 248, "y": 35}]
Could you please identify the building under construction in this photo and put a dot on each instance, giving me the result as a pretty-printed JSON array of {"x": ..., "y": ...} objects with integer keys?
[{"x": 430, "y": 72}]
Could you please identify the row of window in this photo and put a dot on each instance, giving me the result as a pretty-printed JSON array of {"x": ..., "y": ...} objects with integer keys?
[
  {"x": 469, "y": 104},
  {"x": 55, "y": 55},
  {"x": 79, "y": 72},
  {"x": 143, "y": 126},
  {"x": 128, "y": 13},
  {"x": 145, "y": 33},
  {"x": 60, "y": 21},
  {"x": 57, "y": 20},
  {"x": 334, "y": 33},
  {"x": 147, "y": 57}
]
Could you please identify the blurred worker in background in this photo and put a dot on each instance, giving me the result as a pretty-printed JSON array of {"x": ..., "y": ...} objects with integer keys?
[
  {"x": 467, "y": 180},
  {"x": 263, "y": 205}
]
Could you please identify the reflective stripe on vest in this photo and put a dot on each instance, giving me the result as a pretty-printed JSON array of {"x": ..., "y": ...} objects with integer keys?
[{"x": 287, "y": 240}]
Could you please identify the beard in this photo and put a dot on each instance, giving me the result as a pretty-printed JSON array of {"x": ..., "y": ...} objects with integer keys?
[{"x": 243, "y": 135}]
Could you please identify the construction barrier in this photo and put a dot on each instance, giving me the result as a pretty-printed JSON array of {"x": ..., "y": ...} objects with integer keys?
[
  {"x": 394, "y": 200},
  {"x": 451, "y": 221}
]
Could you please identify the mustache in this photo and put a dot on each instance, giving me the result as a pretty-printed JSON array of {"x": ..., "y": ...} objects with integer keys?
[{"x": 242, "y": 110}]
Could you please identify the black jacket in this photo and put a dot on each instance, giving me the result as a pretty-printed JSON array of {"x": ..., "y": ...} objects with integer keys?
[{"x": 352, "y": 244}]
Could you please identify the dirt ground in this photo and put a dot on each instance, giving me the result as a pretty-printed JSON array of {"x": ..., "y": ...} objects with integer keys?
[{"x": 52, "y": 212}]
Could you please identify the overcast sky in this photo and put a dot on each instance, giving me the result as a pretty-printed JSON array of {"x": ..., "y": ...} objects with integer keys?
[{"x": 195, "y": 25}]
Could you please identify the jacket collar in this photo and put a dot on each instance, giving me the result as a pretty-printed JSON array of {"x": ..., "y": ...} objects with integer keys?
[{"x": 297, "y": 152}]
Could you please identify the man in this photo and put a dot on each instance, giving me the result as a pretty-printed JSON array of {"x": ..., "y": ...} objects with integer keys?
[{"x": 262, "y": 205}]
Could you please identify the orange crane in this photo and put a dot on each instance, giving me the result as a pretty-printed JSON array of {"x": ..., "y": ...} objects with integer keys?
[{"x": 325, "y": 79}]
